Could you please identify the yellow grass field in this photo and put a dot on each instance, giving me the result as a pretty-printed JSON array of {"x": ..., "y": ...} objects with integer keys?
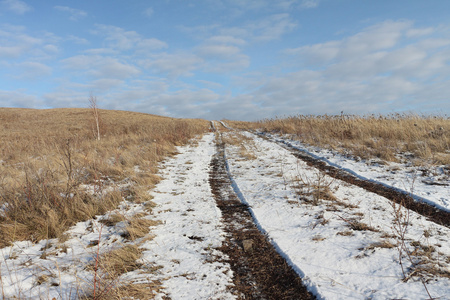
[{"x": 54, "y": 172}]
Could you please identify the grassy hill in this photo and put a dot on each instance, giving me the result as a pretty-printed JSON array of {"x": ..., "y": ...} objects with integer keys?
[{"x": 54, "y": 172}]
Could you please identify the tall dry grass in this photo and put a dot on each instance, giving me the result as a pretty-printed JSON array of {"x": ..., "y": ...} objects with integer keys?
[
  {"x": 54, "y": 172},
  {"x": 424, "y": 138}
]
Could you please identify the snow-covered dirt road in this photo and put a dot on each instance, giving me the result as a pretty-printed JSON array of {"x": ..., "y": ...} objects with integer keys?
[
  {"x": 338, "y": 240},
  {"x": 260, "y": 271}
]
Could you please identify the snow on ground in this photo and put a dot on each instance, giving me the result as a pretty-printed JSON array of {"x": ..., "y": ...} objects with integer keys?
[
  {"x": 51, "y": 268},
  {"x": 322, "y": 239},
  {"x": 430, "y": 184},
  {"x": 185, "y": 243},
  {"x": 183, "y": 249},
  {"x": 343, "y": 247}
]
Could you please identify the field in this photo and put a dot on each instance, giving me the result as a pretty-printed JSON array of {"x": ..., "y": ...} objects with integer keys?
[
  {"x": 425, "y": 139},
  {"x": 348, "y": 207},
  {"x": 54, "y": 172}
]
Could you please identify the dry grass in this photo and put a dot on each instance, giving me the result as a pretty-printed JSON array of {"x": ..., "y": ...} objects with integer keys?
[
  {"x": 54, "y": 172},
  {"x": 120, "y": 261},
  {"x": 136, "y": 291},
  {"x": 312, "y": 189},
  {"x": 245, "y": 144},
  {"x": 111, "y": 266},
  {"x": 375, "y": 136},
  {"x": 138, "y": 227}
]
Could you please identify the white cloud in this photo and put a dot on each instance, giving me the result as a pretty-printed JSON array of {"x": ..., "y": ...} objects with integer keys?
[
  {"x": 226, "y": 39},
  {"x": 33, "y": 70},
  {"x": 380, "y": 69},
  {"x": 433, "y": 43},
  {"x": 309, "y": 3},
  {"x": 218, "y": 51},
  {"x": 248, "y": 4},
  {"x": 317, "y": 53},
  {"x": 286, "y": 4},
  {"x": 379, "y": 37},
  {"x": 145, "y": 45},
  {"x": 18, "y": 99},
  {"x": 174, "y": 65},
  {"x": 155, "y": 98},
  {"x": 104, "y": 84},
  {"x": 101, "y": 67},
  {"x": 211, "y": 84},
  {"x": 78, "y": 40},
  {"x": 79, "y": 62},
  {"x": 14, "y": 43},
  {"x": 67, "y": 97},
  {"x": 75, "y": 14},
  {"x": 148, "y": 12},
  {"x": 274, "y": 27},
  {"x": 123, "y": 40},
  {"x": 16, "y": 6},
  {"x": 418, "y": 32},
  {"x": 10, "y": 51},
  {"x": 112, "y": 68},
  {"x": 266, "y": 29},
  {"x": 101, "y": 51},
  {"x": 222, "y": 54},
  {"x": 236, "y": 63},
  {"x": 51, "y": 49}
]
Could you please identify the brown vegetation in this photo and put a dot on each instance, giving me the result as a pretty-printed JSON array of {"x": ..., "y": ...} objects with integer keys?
[
  {"x": 375, "y": 136},
  {"x": 54, "y": 171}
]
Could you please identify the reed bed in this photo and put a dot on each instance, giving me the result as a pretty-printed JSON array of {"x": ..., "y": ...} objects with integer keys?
[{"x": 422, "y": 139}]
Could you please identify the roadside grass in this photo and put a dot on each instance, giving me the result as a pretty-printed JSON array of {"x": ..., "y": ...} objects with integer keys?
[
  {"x": 55, "y": 172},
  {"x": 423, "y": 138},
  {"x": 245, "y": 144}
]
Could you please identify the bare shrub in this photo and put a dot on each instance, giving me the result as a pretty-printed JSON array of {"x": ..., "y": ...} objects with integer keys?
[
  {"x": 312, "y": 189},
  {"x": 93, "y": 106}
]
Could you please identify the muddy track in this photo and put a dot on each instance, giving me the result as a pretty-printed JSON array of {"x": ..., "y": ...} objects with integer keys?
[
  {"x": 430, "y": 212},
  {"x": 259, "y": 271}
]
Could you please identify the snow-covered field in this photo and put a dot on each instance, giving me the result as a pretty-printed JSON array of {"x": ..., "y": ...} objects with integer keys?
[
  {"x": 430, "y": 184},
  {"x": 316, "y": 237},
  {"x": 343, "y": 246}
]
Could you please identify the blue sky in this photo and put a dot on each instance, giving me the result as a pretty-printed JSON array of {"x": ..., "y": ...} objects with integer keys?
[{"x": 234, "y": 59}]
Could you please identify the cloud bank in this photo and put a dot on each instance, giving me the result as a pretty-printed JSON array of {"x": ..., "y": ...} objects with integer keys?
[{"x": 231, "y": 67}]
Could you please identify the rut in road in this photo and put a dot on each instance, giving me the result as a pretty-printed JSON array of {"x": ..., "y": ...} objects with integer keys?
[
  {"x": 431, "y": 213},
  {"x": 259, "y": 270}
]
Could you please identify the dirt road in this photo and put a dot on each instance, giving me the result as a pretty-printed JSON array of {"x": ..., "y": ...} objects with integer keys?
[{"x": 259, "y": 270}]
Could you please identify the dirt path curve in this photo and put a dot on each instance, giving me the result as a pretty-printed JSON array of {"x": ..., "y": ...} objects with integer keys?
[
  {"x": 431, "y": 213},
  {"x": 259, "y": 271}
]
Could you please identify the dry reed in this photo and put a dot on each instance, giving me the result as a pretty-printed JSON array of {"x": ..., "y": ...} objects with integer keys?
[{"x": 422, "y": 138}]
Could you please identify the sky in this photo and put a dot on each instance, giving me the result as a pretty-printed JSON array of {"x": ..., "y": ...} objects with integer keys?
[{"x": 227, "y": 59}]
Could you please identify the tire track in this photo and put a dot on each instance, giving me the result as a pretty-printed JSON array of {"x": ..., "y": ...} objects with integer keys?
[
  {"x": 259, "y": 270},
  {"x": 430, "y": 212}
]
